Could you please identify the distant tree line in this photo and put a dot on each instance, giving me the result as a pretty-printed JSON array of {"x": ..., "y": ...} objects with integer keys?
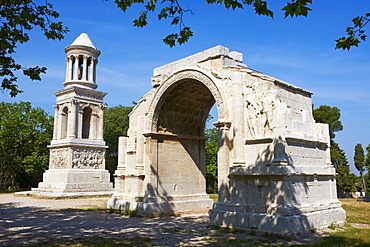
[
  {"x": 362, "y": 164},
  {"x": 25, "y": 132},
  {"x": 345, "y": 178},
  {"x": 116, "y": 124}
]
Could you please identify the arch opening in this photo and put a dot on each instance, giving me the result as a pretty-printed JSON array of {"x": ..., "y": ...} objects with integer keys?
[
  {"x": 184, "y": 108},
  {"x": 64, "y": 122},
  {"x": 86, "y": 122},
  {"x": 181, "y": 116}
]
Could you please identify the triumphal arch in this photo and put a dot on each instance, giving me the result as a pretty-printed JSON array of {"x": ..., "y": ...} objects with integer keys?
[{"x": 274, "y": 169}]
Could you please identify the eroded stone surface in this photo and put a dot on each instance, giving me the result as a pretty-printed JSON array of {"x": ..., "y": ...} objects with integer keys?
[{"x": 274, "y": 169}]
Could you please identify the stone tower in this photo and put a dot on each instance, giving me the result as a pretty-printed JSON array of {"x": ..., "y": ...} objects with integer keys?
[{"x": 77, "y": 150}]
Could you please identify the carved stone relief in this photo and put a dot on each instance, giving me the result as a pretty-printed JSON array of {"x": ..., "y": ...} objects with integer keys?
[
  {"x": 258, "y": 119},
  {"x": 59, "y": 158},
  {"x": 87, "y": 158}
]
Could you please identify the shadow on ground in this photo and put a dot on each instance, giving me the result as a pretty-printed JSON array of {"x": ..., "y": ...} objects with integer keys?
[{"x": 43, "y": 226}]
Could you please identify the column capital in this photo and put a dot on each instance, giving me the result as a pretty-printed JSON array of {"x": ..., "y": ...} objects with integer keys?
[
  {"x": 74, "y": 101},
  {"x": 222, "y": 125}
]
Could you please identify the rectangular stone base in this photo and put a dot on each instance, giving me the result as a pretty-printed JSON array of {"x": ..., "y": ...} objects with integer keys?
[
  {"x": 285, "y": 226},
  {"x": 155, "y": 209},
  {"x": 75, "y": 180}
]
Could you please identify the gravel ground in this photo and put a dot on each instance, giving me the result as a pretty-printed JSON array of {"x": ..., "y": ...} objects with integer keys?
[{"x": 46, "y": 222}]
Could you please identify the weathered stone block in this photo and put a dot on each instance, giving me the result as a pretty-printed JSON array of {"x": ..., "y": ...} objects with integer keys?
[{"x": 274, "y": 172}]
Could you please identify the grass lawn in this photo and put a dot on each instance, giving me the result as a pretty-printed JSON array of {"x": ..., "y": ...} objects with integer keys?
[{"x": 358, "y": 212}]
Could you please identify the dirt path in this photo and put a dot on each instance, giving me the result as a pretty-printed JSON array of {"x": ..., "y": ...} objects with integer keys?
[{"x": 33, "y": 221}]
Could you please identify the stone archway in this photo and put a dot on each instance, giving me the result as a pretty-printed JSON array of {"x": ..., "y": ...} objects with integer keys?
[
  {"x": 274, "y": 160},
  {"x": 165, "y": 151},
  {"x": 187, "y": 96},
  {"x": 177, "y": 129}
]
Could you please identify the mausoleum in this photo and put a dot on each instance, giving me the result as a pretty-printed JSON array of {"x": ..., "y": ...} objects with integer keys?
[{"x": 77, "y": 163}]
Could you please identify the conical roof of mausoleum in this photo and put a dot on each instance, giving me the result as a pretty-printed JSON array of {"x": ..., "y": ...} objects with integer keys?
[{"x": 83, "y": 40}]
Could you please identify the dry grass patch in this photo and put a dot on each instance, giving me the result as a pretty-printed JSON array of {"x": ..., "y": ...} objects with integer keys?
[
  {"x": 214, "y": 197},
  {"x": 357, "y": 211}
]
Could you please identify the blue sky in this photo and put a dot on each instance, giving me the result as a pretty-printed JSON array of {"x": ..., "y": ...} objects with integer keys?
[{"x": 297, "y": 50}]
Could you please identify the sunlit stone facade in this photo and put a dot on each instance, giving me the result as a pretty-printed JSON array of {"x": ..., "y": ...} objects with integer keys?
[
  {"x": 77, "y": 150},
  {"x": 274, "y": 169}
]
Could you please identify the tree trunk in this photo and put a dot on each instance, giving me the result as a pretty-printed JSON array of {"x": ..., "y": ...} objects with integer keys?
[{"x": 363, "y": 182}]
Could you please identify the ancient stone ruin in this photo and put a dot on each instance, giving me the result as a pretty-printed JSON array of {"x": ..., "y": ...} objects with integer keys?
[
  {"x": 274, "y": 169},
  {"x": 77, "y": 163}
]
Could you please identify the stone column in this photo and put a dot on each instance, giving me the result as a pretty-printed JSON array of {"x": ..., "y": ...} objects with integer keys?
[
  {"x": 69, "y": 75},
  {"x": 223, "y": 160},
  {"x": 75, "y": 72},
  {"x": 122, "y": 143},
  {"x": 94, "y": 74},
  {"x": 101, "y": 119},
  {"x": 79, "y": 123},
  {"x": 56, "y": 121},
  {"x": 93, "y": 126},
  {"x": 72, "y": 120},
  {"x": 67, "y": 69},
  {"x": 84, "y": 69},
  {"x": 120, "y": 173},
  {"x": 140, "y": 141},
  {"x": 92, "y": 70},
  {"x": 238, "y": 125},
  {"x": 100, "y": 126},
  {"x": 60, "y": 121}
]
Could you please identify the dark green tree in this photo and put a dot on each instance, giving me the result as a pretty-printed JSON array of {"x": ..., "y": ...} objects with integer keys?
[
  {"x": 18, "y": 18},
  {"x": 116, "y": 124},
  {"x": 25, "y": 132},
  {"x": 355, "y": 33},
  {"x": 345, "y": 179},
  {"x": 211, "y": 160},
  {"x": 367, "y": 164},
  {"x": 359, "y": 160},
  {"x": 174, "y": 11},
  {"x": 367, "y": 158},
  {"x": 331, "y": 115}
]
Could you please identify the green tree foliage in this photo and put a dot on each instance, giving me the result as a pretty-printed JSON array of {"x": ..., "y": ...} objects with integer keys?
[
  {"x": 359, "y": 160},
  {"x": 174, "y": 11},
  {"x": 345, "y": 179},
  {"x": 367, "y": 159},
  {"x": 331, "y": 115},
  {"x": 211, "y": 160},
  {"x": 367, "y": 165},
  {"x": 116, "y": 123},
  {"x": 25, "y": 133},
  {"x": 355, "y": 33},
  {"x": 18, "y": 18}
]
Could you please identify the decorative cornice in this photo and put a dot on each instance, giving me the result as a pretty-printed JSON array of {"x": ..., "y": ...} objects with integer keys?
[{"x": 81, "y": 92}]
